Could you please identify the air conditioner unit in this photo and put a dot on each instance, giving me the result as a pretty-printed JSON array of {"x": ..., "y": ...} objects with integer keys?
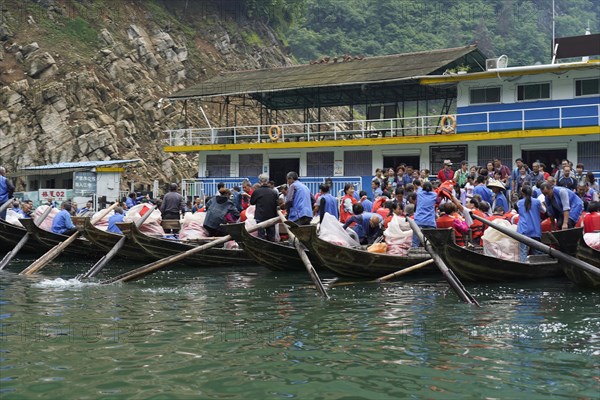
[{"x": 495, "y": 63}]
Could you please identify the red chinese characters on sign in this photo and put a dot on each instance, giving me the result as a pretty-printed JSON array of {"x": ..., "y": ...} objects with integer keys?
[{"x": 58, "y": 195}]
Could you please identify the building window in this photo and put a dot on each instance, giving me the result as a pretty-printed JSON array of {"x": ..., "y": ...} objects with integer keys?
[
  {"x": 358, "y": 163},
  {"x": 485, "y": 95},
  {"x": 588, "y": 153},
  {"x": 218, "y": 165},
  {"x": 250, "y": 165},
  {"x": 587, "y": 87},
  {"x": 534, "y": 91},
  {"x": 319, "y": 163},
  {"x": 486, "y": 154}
]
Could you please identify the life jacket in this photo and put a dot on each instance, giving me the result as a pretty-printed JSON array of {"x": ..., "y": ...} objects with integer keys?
[
  {"x": 477, "y": 227},
  {"x": 450, "y": 221},
  {"x": 445, "y": 189},
  {"x": 546, "y": 225},
  {"x": 591, "y": 222}
]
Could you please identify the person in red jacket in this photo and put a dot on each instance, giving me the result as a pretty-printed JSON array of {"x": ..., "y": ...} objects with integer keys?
[
  {"x": 446, "y": 173},
  {"x": 451, "y": 219},
  {"x": 591, "y": 222},
  {"x": 347, "y": 202}
]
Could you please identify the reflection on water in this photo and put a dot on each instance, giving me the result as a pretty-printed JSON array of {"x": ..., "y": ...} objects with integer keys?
[{"x": 250, "y": 333}]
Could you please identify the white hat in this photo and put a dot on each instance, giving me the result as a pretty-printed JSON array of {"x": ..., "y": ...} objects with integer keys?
[
  {"x": 447, "y": 162},
  {"x": 495, "y": 183}
]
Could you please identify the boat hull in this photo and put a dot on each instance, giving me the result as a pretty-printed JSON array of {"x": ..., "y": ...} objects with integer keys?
[
  {"x": 11, "y": 234},
  {"x": 473, "y": 266},
  {"x": 272, "y": 255},
  {"x": 159, "y": 248},
  {"x": 357, "y": 263}
]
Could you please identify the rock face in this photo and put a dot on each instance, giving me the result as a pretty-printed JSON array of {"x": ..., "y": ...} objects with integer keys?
[{"x": 59, "y": 106}]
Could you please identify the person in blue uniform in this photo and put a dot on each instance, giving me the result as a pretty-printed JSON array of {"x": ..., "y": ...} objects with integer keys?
[
  {"x": 297, "y": 201},
  {"x": 480, "y": 189},
  {"x": 499, "y": 197},
  {"x": 112, "y": 221},
  {"x": 6, "y": 190},
  {"x": 562, "y": 204},
  {"x": 425, "y": 211},
  {"x": 368, "y": 225},
  {"x": 62, "y": 223},
  {"x": 530, "y": 222},
  {"x": 327, "y": 203}
]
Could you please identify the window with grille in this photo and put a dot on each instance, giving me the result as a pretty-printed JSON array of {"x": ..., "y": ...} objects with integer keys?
[
  {"x": 534, "y": 91},
  {"x": 485, "y": 95},
  {"x": 588, "y": 153},
  {"x": 218, "y": 165},
  {"x": 488, "y": 153},
  {"x": 358, "y": 163},
  {"x": 319, "y": 163},
  {"x": 250, "y": 165}
]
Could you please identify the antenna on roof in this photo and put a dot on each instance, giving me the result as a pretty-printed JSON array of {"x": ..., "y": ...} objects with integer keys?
[{"x": 587, "y": 32}]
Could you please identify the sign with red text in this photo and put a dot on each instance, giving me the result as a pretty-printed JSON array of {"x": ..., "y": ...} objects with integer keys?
[{"x": 58, "y": 195}]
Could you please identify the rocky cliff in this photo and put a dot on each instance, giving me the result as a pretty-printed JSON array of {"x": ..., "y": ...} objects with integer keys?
[{"x": 81, "y": 80}]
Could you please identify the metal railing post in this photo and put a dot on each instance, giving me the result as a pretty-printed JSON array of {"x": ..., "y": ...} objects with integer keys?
[
  {"x": 487, "y": 121},
  {"x": 522, "y": 120}
]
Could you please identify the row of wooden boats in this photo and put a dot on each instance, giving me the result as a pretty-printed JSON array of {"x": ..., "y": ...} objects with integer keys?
[{"x": 469, "y": 264}]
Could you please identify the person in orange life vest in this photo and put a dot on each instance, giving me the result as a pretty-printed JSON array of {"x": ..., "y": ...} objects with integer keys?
[
  {"x": 347, "y": 202},
  {"x": 449, "y": 218},
  {"x": 379, "y": 202},
  {"x": 591, "y": 222},
  {"x": 384, "y": 210},
  {"x": 446, "y": 173},
  {"x": 477, "y": 226},
  {"x": 394, "y": 209},
  {"x": 498, "y": 214}
]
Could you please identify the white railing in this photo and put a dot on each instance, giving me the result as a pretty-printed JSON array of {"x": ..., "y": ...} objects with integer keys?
[
  {"x": 362, "y": 129},
  {"x": 204, "y": 187}
]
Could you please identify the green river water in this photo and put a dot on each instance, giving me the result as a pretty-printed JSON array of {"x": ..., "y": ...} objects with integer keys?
[{"x": 248, "y": 333}]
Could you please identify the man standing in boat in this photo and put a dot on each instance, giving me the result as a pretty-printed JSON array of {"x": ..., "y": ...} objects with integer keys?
[
  {"x": 265, "y": 199},
  {"x": 297, "y": 201},
  {"x": 6, "y": 190},
  {"x": 173, "y": 204},
  {"x": 562, "y": 204}
]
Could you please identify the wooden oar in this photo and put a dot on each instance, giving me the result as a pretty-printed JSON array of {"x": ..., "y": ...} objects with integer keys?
[
  {"x": 159, "y": 264},
  {"x": 96, "y": 268},
  {"x": 309, "y": 267},
  {"x": 56, "y": 250},
  {"x": 389, "y": 276},
  {"x": 11, "y": 254},
  {"x": 455, "y": 284},
  {"x": 542, "y": 247},
  {"x": 6, "y": 205}
]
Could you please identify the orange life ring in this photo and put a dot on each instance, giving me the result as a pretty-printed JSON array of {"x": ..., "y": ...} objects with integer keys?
[
  {"x": 451, "y": 128},
  {"x": 276, "y": 137}
]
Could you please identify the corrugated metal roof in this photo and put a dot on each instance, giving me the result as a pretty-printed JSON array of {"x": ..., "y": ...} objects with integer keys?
[
  {"x": 81, "y": 164},
  {"x": 342, "y": 74}
]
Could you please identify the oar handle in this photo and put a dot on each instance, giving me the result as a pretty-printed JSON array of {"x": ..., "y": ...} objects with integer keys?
[{"x": 6, "y": 205}]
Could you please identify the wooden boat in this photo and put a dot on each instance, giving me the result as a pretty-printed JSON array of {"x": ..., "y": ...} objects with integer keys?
[
  {"x": 565, "y": 241},
  {"x": 80, "y": 248},
  {"x": 471, "y": 265},
  {"x": 354, "y": 262},
  {"x": 105, "y": 241},
  {"x": 272, "y": 255},
  {"x": 11, "y": 234},
  {"x": 158, "y": 248}
]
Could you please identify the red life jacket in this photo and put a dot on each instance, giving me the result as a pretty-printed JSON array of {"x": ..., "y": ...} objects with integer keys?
[
  {"x": 343, "y": 214},
  {"x": 447, "y": 221},
  {"x": 591, "y": 222},
  {"x": 477, "y": 227}
]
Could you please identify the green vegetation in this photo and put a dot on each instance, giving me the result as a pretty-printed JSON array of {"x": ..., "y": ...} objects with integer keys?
[
  {"x": 521, "y": 29},
  {"x": 80, "y": 29}
]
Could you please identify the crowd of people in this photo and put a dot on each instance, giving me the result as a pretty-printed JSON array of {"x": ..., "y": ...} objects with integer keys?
[{"x": 531, "y": 198}]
